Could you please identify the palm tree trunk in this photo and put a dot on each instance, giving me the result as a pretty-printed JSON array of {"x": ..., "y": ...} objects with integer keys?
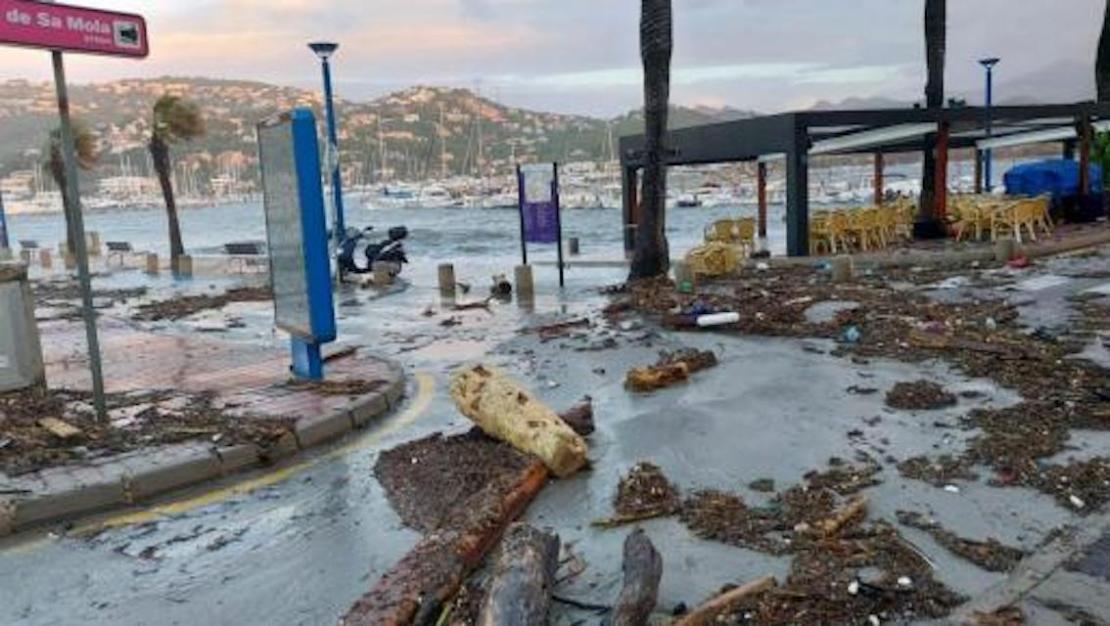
[
  {"x": 58, "y": 172},
  {"x": 935, "y": 48},
  {"x": 651, "y": 257},
  {"x": 160, "y": 155},
  {"x": 1102, "y": 63}
]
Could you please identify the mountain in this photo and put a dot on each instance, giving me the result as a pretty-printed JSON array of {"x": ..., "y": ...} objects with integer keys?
[{"x": 420, "y": 132}]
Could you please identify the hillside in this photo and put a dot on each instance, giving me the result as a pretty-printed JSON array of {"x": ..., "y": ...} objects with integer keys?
[{"x": 421, "y": 132}]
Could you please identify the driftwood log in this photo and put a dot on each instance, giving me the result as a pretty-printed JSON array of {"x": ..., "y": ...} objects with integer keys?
[
  {"x": 643, "y": 569},
  {"x": 523, "y": 577},
  {"x": 707, "y": 613},
  {"x": 505, "y": 410}
]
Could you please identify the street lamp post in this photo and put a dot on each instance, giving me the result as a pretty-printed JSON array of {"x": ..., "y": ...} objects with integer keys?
[
  {"x": 324, "y": 51},
  {"x": 989, "y": 64}
]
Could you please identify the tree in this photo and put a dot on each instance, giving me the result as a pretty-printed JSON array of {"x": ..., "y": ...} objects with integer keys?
[
  {"x": 935, "y": 47},
  {"x": 175, "y": 120},
  {"x": 85, "y": 151},
  {"x": 651, "y": 256},
  {"x": 1102, "y": 62}
]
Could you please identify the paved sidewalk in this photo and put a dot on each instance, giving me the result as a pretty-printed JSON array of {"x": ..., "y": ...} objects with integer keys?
[{"x": 244, "y": 380}]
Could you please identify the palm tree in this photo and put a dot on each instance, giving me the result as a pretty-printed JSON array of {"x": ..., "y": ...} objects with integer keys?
[
  {"x": 85, "y": 151},
  {"x": 174, "y": 120},
  {"x": 1102, "y": 63},
  {"x": 651, "y": 257},
  {"x": 935, "y": 46}
]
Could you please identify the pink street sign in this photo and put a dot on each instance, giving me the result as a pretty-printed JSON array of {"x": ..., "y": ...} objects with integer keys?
[{"x": 72, "y": 29}]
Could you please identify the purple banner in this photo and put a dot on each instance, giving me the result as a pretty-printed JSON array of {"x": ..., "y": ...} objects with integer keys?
[{"x": 539, "y": 204}]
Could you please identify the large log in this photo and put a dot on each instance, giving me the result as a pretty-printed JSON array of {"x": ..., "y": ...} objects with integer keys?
[
  {"x": 432, "y": 572},
  {"x": 708, "y": 613},
  {"x": 643, "y": 569},
  {"x": 520, "y": 590},
  {"x": 505, "y": 410}
]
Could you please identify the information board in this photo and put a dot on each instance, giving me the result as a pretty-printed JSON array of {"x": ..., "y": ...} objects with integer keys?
[
  {"x": 539, "y": 203},
  {"x": 295, "y": 226}
]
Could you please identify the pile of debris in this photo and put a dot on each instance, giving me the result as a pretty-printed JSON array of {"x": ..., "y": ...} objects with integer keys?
[
  {"x": 184, "y": 306},
  {"x": 643, "y": 494},
  {"x": 46, "y": 428},
  {"x": 922, "y": 395}
]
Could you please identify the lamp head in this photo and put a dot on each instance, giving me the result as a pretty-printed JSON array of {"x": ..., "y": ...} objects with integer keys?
[
  {"x": 323, "y": 49},
  {"x": 989, "y": 63}
]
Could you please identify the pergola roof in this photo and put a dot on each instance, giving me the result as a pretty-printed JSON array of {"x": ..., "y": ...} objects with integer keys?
[{"x": 868, "y": 131}]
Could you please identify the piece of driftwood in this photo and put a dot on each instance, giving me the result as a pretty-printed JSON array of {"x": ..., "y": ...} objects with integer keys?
[
  {"x": 505, "y": 410},
  {"x": 855, "y": 509},
  {"x": 60, "y": 429},
  {"x": 707, "y": 613},
  {"x": 654, "y": 377},
  {"x": 431, "y": 573},
  {"x": 624, "y": 520},
  {"x": 580, "y": 417},
  {"x": 643, "y": 569},
  {"x": 523, "y": 577}
]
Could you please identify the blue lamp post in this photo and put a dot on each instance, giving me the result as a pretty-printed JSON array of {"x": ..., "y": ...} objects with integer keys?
[
  {"x": 989, "y": 64},
  {"x": 324, "y": 51}
]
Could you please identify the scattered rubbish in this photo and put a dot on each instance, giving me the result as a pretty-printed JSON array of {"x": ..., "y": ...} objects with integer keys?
[
  {"x": 501, "y": 287},
  {"x": 850, "y": 335},
  {"x": 559, "y": 329},
  {"x": 952, "y": 489},
  {"x": 921, "y": 395},
  {"x": 670, "y": 369},
  {"x": 628, "y": 325},
  {"x": 710, "y": 612},
  {"x": 644, "y": 494},
  {"x": 762, "y": 485},
  {"x": 1077, "y": 502},
  {"x": 470, "y": 306},
  {"x": 989, "y": 555},
  {"x": 938, "y": 472},
  {"x": 506, "y": 411},
  {"x": 1005, "y": 616},
  {"x": 717, "y": 319},
  {"x": 185, "y": 306},
  {"x": 862, "y": 391}
]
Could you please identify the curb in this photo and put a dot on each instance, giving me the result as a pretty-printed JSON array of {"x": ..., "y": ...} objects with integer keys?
[{"x": 65, "y": 492}]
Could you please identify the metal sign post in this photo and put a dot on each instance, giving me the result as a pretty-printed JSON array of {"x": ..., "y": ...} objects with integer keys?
[
  {"x": 5, "y": 244},
  {"x": 59, "y": 28},
  {"x": 296, "y": 230}
]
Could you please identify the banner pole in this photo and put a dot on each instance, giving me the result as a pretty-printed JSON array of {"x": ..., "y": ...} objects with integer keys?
[
  {"x": 558, "y": 221},
  {"x": 520, "y": 211}
]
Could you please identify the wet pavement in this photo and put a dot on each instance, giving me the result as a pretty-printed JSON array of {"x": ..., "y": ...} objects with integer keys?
[{"x": 300, "y": 550}]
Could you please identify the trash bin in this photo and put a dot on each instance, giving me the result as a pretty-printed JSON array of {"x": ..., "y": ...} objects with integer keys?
[{"x": 21, "y": 363}]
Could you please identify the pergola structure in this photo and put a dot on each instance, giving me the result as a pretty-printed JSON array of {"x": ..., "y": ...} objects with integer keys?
[{"x": 794, "y": 137}]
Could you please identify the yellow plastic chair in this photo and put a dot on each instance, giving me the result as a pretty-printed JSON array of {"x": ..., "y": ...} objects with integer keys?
[
  {"x": 713, "y": 259},
  {"x": 1041, "y": 217},
  {"x": 745, "y": 234},
  {"x": 722, "y": 231}
]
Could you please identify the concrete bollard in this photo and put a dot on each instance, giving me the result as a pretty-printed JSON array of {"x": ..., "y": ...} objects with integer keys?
[
  {"x": 92, "y": 242},
  {"x": 69, "y": 260},
  {"x": 525, "y": 285},
  {"x": 383, "y": 273},
  {"x": 447, "y": 280},
  {"x": 46, "y": 259},
  {"x": 575, "y": 249},
  {"x": 185, "y": 266},
  {"x": 5, "y": 254},
  {"x": 152, "y": 266},
  {"x": 842, "y": 269},
  {"x": 25, "y": 256},
  {"x": 1004, "y": 250}
]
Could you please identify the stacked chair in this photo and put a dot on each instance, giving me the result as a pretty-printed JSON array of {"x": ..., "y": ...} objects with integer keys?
[
  {"x": 974, "y": 216},
  {"x": 860, "y": 229}
]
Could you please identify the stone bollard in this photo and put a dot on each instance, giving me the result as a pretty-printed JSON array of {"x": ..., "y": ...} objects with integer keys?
[
  {"x": 46, "y": 259},
  {"x": 1004, "y": 250},
  {"x": 525, "y": 285},
  {"x": 842, "y": 269},
  {"x": 92, "y": 242},
  {"x": 384, "y": 273},
  {"x": 447, "y": 280},
  {"x": 69, "y": 260},
  {"x": 575, "y": 249},
  {"x": 185, "y": 266},
  {"x": 152, "y": 266}
]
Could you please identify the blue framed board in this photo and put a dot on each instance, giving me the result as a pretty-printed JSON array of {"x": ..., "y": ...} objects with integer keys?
[{"x": 296, "y": 233}]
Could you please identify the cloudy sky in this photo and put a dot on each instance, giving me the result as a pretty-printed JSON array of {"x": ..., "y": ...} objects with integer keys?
[{"x": 582, "y": 55}]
